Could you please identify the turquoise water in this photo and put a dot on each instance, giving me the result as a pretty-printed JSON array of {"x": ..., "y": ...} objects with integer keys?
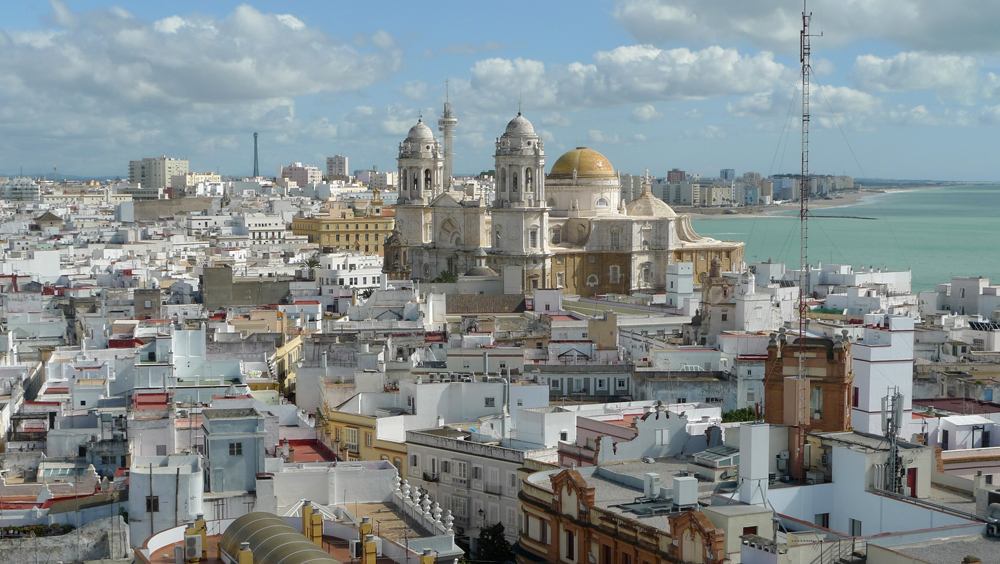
[{"x": 936, "y": 233}]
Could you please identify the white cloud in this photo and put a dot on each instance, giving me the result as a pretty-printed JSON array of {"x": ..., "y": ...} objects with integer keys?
[
  {"x": 639, "y": 138},
  {"x": 694, "y": 114},
  {"x": 556, "y": 119},
  {"x": 123, "y": 82},
  {"x": 596, "y": 136},
  {"x": 955, "y": 74},
  {"x": 637, "y": 74},
  {"x": 413, "y": 89},
  {"x": 933, "y": 25},
  {"x": 645, "y": 114}
]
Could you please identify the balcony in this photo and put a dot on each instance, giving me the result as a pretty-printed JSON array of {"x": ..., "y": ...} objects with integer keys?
[
  {"x": 428, "y": 477},
  {"x": 460, "y": 482},
  {"x": 495, "y": 489}
]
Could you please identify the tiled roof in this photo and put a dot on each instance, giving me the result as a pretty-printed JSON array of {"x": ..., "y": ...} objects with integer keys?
[{"x": 483, "y": 303}]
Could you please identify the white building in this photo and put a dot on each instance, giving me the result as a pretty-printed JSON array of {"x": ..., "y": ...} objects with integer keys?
[
  {"x": 164, "y": 491},
  {"x": 883, "y": 362},
  {"x": 356, "y": 270},
  {"x": 260, "y": 227},
  {"x": 20, "y": 189}
]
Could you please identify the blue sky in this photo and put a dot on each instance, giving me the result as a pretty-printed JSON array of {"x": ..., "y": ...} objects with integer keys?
[{"x": 902, "y": 88}]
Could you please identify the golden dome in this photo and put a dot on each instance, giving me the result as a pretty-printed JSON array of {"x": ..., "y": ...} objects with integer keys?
[{"x": 586, "y": 162}]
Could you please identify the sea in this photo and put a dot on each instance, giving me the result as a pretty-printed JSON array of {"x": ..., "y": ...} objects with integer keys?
[{"x": 935, "y": 232}]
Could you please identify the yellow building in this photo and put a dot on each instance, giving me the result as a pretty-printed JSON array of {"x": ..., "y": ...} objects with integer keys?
[
  {"x": 347, "y": 230},
  {"x": 355, "y": 437}
]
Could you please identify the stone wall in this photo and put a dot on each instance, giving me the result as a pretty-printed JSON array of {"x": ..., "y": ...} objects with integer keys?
[
  {"x": 105, "y": 538},
  {"x": 21, "y": 464}
]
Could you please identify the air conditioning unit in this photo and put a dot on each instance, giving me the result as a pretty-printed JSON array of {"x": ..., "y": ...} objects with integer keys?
[
  {"x": 356, "y": 547},
  {"x": 651, "y": 485},
  {"x": 192, "y": 548}
]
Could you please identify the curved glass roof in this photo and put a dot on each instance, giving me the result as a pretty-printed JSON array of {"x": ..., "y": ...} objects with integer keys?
[{"x": 272, "y": 541}]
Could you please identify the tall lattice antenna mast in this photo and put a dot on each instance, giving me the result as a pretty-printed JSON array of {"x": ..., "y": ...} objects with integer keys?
[{"x": 804, "y": 50}]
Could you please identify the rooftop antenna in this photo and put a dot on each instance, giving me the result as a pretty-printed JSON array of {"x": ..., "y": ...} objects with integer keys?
[
  {"x": 55, "y": 174},
  {"x": 519, "y": 95},
  {"x": 256, "y": 168},
  {"x": 801, "y": 409},
  {"x": 892, "y": 420}
]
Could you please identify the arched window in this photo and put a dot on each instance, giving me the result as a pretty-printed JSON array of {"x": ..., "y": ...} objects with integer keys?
[
  {"x": 427, "y": 179},
  {"x": 416, "y": 185},
  {"x": 592, "y": 280},
  {"x": 503, "y": 180},
  {"x": 552, "y": 202},
  {"x": 513, "y": 182},
  {"x": 527, "y": 180},
  {"x": 602, "y": 202},
  {"x": 647, "y": 273}
]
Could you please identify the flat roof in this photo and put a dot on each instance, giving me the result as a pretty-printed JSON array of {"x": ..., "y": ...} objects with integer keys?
[
  {"x": 963, "y": 406},
  {"x": 950, "y": 551}
]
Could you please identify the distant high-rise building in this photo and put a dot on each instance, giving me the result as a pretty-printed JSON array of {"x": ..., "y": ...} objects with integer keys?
[
  {"x": 751, "y": 177},
  {"x": 20, "y": 189},
  {"x": 676, "y": 176},
  {"x": 336, "y": 167},
  {"x": 156, "y": 172},
  {"x": 301, "y": 174},
  {"x": 727, "y": 174}
]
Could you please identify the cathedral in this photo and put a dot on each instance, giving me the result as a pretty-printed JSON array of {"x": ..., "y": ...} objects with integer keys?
[{"x": 568, "y": 229}]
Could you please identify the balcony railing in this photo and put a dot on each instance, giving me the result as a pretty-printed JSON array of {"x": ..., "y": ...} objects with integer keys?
[
  {"x": 428, "y": 477},
  {"x": 495, "y": 489}
]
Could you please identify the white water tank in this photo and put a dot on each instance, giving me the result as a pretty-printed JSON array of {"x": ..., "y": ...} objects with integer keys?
[
  {"x": 651, "y": 485},
  {"x": 685, "y": 491}
]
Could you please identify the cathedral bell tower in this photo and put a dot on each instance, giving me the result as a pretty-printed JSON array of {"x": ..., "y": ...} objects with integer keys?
[{"x": 421, "y": 166}]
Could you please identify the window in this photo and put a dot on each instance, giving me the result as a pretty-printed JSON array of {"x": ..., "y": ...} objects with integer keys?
[
  {"x": 563, "y": 435},
  {"x": 622, "y": 383},
  {"x": 855, "y": 527},
  {"x": 751, "y": 396},
  {"x": 397, "y": 463},
  {"x": 602, "y": 384},
  {"x": 368, "y": 439},
  {"x": 592, "y": 259},
  {"x": 161, "y": 450},
  {"x": 461, "y": 470},
  {"x": 559, "y": 279},
  {"x": 414, "y": 461},
  {"x": 351, "y": 438},
  {"x": 533, "y": 238},
  {"x": 235, "y": 449},
  {"x": 662, "y": 437},
  {"x": 570, "y": 553},
  {"x": 578, "y": 385},
  {"x": 616, "y": 239},
  {"x": 555, "y": 383},
  {"x": 512, "y": 479},
  {"x": 477, "y": 472},
  {"x": 446, "y": 466},
  {"x": 614, "y": 273},
  {"x": 750, "y": 530},
  {"x": 816, "y": 402},
  {"x": 713, "y": 400},
  {"x": 725, "y": 317},
  {"x": 83, "y": 402},
  {"x": 857, "y": 394},
  {"x": 490, "y": 402},
  {"x": 556, "y": 236},
  {"x": 152, "y": 503},
  {"x": 602, "y": 203},
  {"x": 822, "y": 519}
]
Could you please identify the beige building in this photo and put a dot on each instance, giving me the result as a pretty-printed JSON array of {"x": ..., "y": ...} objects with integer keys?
[
  {"x": 568, "y": 229},
  {"x": 345, "y": 229},
  {"x": 156, "y": 172}
]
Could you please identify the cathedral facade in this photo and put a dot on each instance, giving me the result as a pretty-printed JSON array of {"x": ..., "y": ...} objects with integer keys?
[{"x": 567, "y": 229}]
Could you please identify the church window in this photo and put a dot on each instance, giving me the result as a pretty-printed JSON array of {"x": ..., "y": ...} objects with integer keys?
[
  {"x": 527, "y": 180},
  {"x": 503, "y": 180},
  {"x": 559, "y": 260},
  {"x": 616, "y": 239},
  {"x": 592, "y": 280},
  {"x": 427, "y": 177},
  {"x": 602, "y": 202},
  {"x": 559, "y": 279},
  {"x": 592, "y": 258},
  {"x": 614, "y": 274},
  {"x": 647, "y": 272},
  {"x": 533, "y": 238},
  {"x": 556, "y": 236},
  {"x": 513, "y": 182}
]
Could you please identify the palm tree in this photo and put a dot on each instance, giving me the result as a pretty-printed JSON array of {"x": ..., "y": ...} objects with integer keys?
[
  {"x": 312, "y": 263},
  {"x": 446, "y": 277}
]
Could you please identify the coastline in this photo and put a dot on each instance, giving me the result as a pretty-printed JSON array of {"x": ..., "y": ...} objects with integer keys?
[{"x": 841, "y": 200}]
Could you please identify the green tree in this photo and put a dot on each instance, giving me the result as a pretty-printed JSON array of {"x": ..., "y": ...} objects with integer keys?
[
  {"x": 493, "y": 546},
  {"x": 312, "y": 263},
  {"x": 446, "y": 277},
  {"x": 737, "y": 415}
]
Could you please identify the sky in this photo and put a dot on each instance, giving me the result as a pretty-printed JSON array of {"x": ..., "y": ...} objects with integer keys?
[{"x": 904, "y": 89}]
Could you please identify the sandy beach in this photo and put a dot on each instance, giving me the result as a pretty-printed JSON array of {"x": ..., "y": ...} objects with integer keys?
[{"x": 839, "y": 200}]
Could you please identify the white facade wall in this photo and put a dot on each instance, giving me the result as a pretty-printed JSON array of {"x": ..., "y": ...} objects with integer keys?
[
  {"x": 177, "y": 484},
  {"x": 883, "y": 361}
]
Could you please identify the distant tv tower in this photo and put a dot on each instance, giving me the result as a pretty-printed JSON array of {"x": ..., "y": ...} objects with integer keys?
[{"x": 256, "y": 169}]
